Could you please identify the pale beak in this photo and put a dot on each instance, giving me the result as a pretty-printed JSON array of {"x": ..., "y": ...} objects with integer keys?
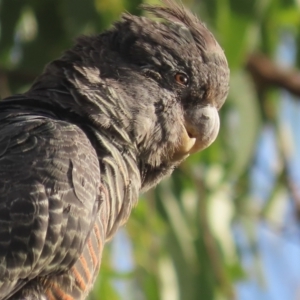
[{"x": 199, "y": 130}]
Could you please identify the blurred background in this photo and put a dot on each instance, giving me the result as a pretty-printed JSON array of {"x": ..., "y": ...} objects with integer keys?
[{"x": 226, "y": 224}]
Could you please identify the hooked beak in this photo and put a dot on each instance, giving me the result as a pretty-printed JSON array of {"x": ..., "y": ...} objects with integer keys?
[{"x": 199, "y": 130}]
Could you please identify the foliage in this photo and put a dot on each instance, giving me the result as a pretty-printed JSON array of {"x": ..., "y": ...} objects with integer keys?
[{"x": 180, "y": 233}]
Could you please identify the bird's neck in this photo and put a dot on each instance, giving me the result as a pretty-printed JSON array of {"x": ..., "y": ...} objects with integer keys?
[{"x": 120, "y": 179}]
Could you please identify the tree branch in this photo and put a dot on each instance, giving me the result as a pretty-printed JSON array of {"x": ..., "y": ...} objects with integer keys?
[{"x": 265, "y": 74}]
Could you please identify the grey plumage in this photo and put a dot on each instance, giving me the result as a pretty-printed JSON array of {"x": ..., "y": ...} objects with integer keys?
[{"x": 111, "y": 117}]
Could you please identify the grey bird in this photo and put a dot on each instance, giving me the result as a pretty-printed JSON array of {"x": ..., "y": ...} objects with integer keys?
[{"x": 110, "y": 118}]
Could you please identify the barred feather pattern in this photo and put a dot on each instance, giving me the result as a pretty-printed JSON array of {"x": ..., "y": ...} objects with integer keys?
[{"x": 53, "y": 230}]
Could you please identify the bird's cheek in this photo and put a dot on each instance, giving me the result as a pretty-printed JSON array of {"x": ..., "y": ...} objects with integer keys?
[{"x": 203, "y": 124}]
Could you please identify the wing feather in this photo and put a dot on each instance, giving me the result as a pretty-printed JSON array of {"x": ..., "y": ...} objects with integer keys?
[{"x": 49, "y": 196}]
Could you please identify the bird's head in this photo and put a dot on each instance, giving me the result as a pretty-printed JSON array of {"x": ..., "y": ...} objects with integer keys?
[
  {"x": 163, "y": 83},
  {"x": 183, "y": 80}
]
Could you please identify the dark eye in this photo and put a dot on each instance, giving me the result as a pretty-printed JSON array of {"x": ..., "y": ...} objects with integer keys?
[{"x": 182, "y": 79}]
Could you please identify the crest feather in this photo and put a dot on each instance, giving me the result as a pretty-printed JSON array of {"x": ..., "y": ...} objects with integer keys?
[{"x": 174, "y": 12}]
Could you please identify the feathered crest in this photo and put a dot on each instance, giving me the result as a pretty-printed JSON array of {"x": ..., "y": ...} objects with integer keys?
[{"x": 174, "y": 12}]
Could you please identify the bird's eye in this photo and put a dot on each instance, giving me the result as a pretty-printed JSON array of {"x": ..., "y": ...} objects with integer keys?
[{"x": 182, "y": 78}]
